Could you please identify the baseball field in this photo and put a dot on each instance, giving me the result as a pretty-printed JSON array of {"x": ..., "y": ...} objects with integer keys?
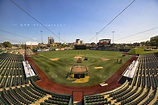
[{"x": 101, "y": 65}]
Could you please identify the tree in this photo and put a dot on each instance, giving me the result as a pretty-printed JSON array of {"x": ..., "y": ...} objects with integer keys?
[
  {"x": 148, "y": 43},
  {"x": 154, "y": 41},
  {"x": 23, "y": 46},
  {"x": 136, "y": 44},
  {"x": 7, "y": 44},
  {"x": 143, "y": 43}
]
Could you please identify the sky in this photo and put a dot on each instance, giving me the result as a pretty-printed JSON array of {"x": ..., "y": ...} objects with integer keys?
[{"x": 68, "y": 20}]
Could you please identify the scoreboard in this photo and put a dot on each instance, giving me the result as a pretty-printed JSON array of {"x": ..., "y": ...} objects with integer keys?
[{"x": 105, "y": 42}]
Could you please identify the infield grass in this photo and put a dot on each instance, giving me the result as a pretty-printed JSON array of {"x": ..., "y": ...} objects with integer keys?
[{"x": 57, "y": 70}]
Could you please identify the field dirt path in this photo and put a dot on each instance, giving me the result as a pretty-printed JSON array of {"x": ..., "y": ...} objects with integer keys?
[{"x": 48, "y": 84}]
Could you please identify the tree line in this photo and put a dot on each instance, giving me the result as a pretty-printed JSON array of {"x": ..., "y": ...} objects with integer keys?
[{"x": 152, "y": 42}]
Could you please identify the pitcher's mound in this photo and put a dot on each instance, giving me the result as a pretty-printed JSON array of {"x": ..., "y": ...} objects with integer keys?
[{"x": 104, "y": 59}]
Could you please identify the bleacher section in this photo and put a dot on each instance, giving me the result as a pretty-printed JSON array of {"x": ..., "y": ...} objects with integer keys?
[
  {"x": 142, "y": 90},
  {"x": 16, "y": 89}
]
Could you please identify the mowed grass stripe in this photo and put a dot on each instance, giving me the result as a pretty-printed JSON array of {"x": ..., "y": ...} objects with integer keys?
[
  {"x": 46, "y": 61},
  {"x": 54, "y": 69},
  {"x": 59, "y": 62},
  {"x": 51, "y": 64},
  {"x": 66, "y": 59}
]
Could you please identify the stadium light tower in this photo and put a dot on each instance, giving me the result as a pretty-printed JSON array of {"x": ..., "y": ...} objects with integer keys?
[
  {"x": 41, "y": 37},
  {"x": 113, "y": 36},
  {"x": 59, "y": 37}
]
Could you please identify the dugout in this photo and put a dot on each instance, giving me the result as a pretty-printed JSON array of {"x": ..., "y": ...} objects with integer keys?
[{"x": 78, "y": 75}]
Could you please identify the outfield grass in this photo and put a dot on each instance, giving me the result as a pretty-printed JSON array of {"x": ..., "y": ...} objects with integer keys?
[
  {"x": 57, "y": 70},
  {"x": 140, "y": 50}
]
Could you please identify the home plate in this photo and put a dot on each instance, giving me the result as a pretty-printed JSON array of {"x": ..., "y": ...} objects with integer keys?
[{"x": 103, "y": 84}]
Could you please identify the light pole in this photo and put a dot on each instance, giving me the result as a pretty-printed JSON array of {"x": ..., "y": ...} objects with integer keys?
[
  {"x": 41, "y": 38},
  {"x": 113, "y": 36},
  {"x": 59, "y": 37}
]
